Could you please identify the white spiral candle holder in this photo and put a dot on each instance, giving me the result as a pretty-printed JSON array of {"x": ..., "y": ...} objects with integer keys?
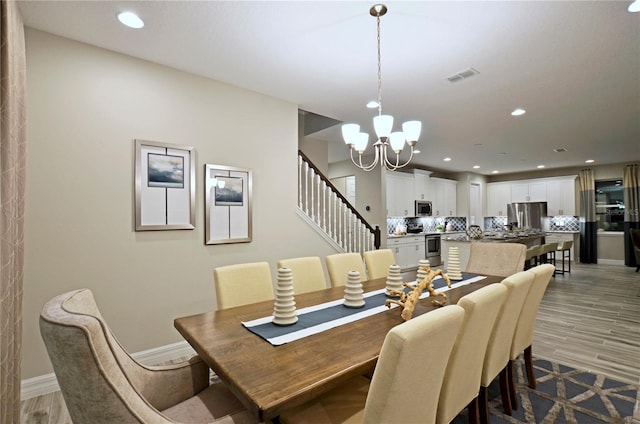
[
  {"x": 284, "y": 309},
  {"x": 353, "y": 293},
  {"x": 453, "y": 264},
  {"x": 394, "y": 279},
  {"x": 421, "y": 273}
]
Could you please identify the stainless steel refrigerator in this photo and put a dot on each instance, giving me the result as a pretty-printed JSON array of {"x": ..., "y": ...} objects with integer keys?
[{"x": 527, "y": 215}]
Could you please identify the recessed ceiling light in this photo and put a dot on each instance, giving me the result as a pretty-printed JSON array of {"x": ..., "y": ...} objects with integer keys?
[
  {"x": 518, "y": 111},
  {"x": 476, "y": 166},
  {"x": 634, "y": 7},
  {"x": 495, "y": 171},
  {"x": 589, "y": 161},
  {"x": 540, "y": 166},
  {"x": 560, "y": 150},
  {"x": 416, "y": 151},
  {"x": 373, "y": 104},
  {"x": 130, "y": 19},
  {"x": 447, "y": 159}
]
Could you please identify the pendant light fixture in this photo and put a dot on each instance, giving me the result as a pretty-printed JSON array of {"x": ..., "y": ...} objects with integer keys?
[{"x": 383, "y": 126}]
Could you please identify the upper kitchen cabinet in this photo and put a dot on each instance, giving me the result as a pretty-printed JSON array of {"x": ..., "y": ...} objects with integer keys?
[
  {"x": 528, "y": 191},
  {"x": 444, "y": 201},
  {"x": 400, "y": 194},
  {"x": 498, "y": 197},
  {"x": 422, "y": 185},
  {"x": 558, "y": 192},
  {"x": 561, "y": 196}
]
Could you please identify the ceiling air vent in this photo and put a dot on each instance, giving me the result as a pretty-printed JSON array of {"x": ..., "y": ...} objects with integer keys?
[
  {"x": 463, "y": 75},
  {"x": 559, "y": 150}
]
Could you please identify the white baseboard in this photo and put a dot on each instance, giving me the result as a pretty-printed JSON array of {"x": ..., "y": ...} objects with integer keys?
[{"x": 43, "y": 384}]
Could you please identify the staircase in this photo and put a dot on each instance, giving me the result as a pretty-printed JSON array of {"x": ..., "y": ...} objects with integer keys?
[{"x": 330, "y": 213}]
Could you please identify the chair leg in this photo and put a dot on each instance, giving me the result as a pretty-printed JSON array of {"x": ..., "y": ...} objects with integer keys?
[
  {"x": 483, "y": 405},
  {"x": 569, "y": 260},
  {"x": 528, "y": 363},
  {"x": 473, "y": 411},
  {"x": 504, "y": 391},
  {"x": 512, "y": 386}
]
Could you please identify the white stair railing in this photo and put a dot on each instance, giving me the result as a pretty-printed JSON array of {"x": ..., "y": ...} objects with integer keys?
[{"x": 330, "y": 212}]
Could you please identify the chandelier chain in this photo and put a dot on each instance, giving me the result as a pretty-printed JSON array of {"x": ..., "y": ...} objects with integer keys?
[{"x": 379, "y": 69}]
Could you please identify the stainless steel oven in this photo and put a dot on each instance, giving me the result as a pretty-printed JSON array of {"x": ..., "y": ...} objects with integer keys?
[{"x": 432, "y": 249}]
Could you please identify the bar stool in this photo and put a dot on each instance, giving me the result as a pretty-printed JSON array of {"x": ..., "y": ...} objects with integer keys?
[
  {"x": 565, "y": 252},
  {"x": 549, "y": 253},
  {"x": 532, "y": 257}
]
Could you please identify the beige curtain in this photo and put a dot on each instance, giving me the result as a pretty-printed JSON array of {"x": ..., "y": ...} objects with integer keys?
[
  {"x": 588, "y": 227},
  {"x": 12, "y": 175}
]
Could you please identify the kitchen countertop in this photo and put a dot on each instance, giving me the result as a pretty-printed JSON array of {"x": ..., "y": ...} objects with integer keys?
[{"x": 423, "y": 234}]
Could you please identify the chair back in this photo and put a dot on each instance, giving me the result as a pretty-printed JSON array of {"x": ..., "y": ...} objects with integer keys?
[
  {"x": 501, "y": 259},
  {"x": 402, "y": 373},
  {"x": 307, "y": 272},
  {"x": 243, "y": 284},
  {"x": 462, "y": 377},
  {"x": 88, "y": 363},
  {"x": 523, "y": 336},
  {"x": 339, "y": 265},
  {"x": 501, "y": 338},
  {"x": 565, "y": 245},
  {"x": 378, "y": 262}
]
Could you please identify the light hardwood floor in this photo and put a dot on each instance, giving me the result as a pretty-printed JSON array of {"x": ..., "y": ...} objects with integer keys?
[{"x": 589, "y": 319}]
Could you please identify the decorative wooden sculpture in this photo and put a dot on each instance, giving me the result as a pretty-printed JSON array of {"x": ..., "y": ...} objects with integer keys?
[{"x": 408, "y": 301}]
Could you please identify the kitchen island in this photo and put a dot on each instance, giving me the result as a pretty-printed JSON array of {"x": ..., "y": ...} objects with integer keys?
[{"x": 463, "y": 243}]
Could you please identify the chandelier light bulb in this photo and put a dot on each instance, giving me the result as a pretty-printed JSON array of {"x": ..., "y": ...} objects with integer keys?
[
  {"x": 350, "y": 132},
  {"x": 411, "y": 130},
  {"x": 362, "y": 140},
  {"x": 397, "y": 141},
  {"x": 383, "y": 125}
]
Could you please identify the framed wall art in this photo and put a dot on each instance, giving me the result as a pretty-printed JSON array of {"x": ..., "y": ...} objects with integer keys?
[
  {"x": 164, "y": 186},
  {"x": 227, "y": 204}
]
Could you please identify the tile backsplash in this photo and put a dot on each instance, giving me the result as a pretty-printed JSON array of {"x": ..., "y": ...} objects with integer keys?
[
  {"x": 429, "y": 223},
  {"x": 564, "y": 223}
]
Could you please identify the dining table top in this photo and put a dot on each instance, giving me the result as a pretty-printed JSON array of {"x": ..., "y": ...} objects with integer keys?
[{"x": 268, "y": 379}]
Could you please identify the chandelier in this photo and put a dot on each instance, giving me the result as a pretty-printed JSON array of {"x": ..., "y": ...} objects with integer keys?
[{"x": 383, "y": 126}]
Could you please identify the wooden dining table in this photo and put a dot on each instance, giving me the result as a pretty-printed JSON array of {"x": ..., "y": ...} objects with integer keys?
[{"x": 269, "y": 379}]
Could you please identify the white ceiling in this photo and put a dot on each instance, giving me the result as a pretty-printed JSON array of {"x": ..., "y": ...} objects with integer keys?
[{"x": 573, "y": 65}]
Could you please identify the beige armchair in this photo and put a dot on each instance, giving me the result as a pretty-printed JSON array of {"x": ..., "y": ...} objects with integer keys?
[
  {"x": 501, "y": 259},
  {"x": 496, "y": 357},
  {"x": 307, "y": 272},
  {"x": 339, "y": 265},
  {"x": 242, "y": 284},
  {"x": 102, "y": 383},
  {"x": 461, "y": 383},
  {"x": 523, "y": 335},
  {"x": 378, "y": 262},
  {"x": 405, "y": 386}
]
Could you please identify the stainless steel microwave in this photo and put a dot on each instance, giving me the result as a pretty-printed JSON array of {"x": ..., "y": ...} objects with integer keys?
[{"x": 423, "y": 208}]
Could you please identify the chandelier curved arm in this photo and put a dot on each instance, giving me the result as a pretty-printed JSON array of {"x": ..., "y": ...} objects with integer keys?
[
  {"x": 390, "y": 165},
  {"x": 369, "y": 167}
]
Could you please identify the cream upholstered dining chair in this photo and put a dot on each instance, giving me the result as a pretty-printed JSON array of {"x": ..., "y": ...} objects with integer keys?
[
  {"x": 493, "y": 258},
  {"x": 378, "y": 262},
  {"x": 496, "y": 357},
  {"x": 404, "y": 388},
  {"x": 339, "y": 265},
  {"x": 307, "y": 272},
  {"x": 533, "y": 255},
  {"x": 102, "y": 383},
  {"x": 523, "y": 336},
  {"x": 461, "y": 383},
  {"x": 242, "y": 284}
]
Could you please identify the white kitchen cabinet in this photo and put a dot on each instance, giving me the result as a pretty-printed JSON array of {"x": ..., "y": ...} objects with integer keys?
[
  {"x": 498, "y": 197},
  {"x": 561, "y": 197},
  {"x": 528, "y": 191},
  {"x": 444, "y": 201},
  {"x": 422, "y": 185},
  {"x": 400, "y": 194},
  {"x": 407, "y": 250}
]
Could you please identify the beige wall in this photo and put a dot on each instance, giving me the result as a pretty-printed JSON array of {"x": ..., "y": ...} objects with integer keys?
[
  {"x": 370, "y": 191},
  {"x": 611, "y": 246},
  {"x": 85, "y": 107}
]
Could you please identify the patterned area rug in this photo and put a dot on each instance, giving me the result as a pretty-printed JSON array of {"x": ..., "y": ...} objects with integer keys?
[{"x": 567, "y": 395}]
